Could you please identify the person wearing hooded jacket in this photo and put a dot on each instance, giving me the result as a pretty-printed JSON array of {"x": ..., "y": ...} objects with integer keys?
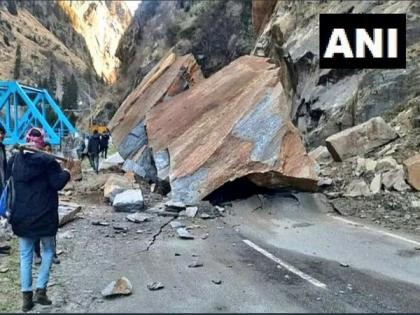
[{"x": 36, "y": 178}]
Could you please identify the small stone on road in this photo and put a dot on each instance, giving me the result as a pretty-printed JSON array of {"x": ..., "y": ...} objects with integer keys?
[
  {"x": 184, "y": 234},
  {"x": 100, "y": 223},
  {"x": 154, "y": 286},
  {"x": 121, "y": 286},
  {"x": 139, "y": 217},
  {"x": 176, "y": 224},
  {"x": 196, "y": 264}
]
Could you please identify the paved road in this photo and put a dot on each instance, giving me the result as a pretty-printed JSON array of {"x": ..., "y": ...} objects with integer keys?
[{"x": 282, "y": 257}]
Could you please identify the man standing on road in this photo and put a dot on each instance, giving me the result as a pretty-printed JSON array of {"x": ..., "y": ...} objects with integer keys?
[
  {"x": 104, "y": 144},
  {"x": 37, "y": 178},
  {"x": 93, "y": 150}
]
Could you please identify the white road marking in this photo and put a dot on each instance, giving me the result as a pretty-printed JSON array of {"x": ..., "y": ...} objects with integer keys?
[
  {"x": 376, "y": 230},
  {"x": 286, "y": 265}
]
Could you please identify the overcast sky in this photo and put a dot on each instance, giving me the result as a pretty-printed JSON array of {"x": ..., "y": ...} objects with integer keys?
[{"x": 132, "y": 5}]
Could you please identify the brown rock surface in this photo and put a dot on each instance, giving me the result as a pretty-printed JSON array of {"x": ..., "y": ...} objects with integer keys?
[
  {"x": 234, "y": 124},
  {"x": 360, "y": 139},
  {"x": 170, "y": 76},
  {"x": 261, "y": 12},
  {"x": 413, "y": 169}
]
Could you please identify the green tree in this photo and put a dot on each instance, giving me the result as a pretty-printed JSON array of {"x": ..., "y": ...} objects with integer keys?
[{"x": 18, "y": 60}]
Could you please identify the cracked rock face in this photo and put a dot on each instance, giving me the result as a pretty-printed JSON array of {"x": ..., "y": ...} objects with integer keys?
[
  {"x": 169, "y": 77},
  {"x": 234, "y": 124},
  {"x": 328, "y": 101}
]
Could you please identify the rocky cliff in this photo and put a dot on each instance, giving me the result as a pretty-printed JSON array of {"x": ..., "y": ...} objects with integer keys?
[
  {"x": 327, "y": 100},
  {"x": 101, "y": 23},
  {"x": 63, "y": 38}
]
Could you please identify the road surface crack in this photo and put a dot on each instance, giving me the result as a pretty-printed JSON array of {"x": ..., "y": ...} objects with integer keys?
[{"x": 152, "y": 242}]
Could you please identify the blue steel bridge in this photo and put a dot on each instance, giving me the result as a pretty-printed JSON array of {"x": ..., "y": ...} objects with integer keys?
[{"x": 23, "y": 107}]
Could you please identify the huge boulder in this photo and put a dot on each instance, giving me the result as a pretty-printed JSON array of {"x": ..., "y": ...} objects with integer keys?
[
  {"x": 261, "y": 12},
  {"x": 360, "y": 139},
  {"x": 412, "y": 165},
  {"x": 169, "y": 77},
  {"x": 236, "y": 124}
]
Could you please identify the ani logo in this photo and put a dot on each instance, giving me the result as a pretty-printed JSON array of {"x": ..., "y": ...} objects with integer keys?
[{"x": 373, "y": 41}]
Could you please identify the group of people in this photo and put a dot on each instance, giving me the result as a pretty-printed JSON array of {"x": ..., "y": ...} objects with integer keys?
[
  {"x": 94, "y": 146},
  {"x": 33, "y": 180}
]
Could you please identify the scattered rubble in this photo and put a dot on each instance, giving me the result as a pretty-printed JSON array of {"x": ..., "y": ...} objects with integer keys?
[
  {"x": 376, "y": 184},
  {"x": 205, "y": 236},
  {"x": 176, "y": 224},
  {"x": 184, "y": 234},
  {"x": 139, "y": 217},
  {"x": 395, "y": 179},
  {"x": 386, "y": 164},
  {"x": 67, "y": 212},
  {"x": 121, "y": 286},
  {"x": 154, "y": 286},
  {"x": 100, "y": 223},
  {"x": 130, "y": 200},
  {"x": 4, "y": 269},
  {"x": 220, "y": 209},
  {"x": 206, "y": 216},
  {"x": 175, "y": 205},
  {"x": 196, "y": 264},
  {"x": 357, "y": 187},
  {"x": 120, "y": 228},
  {"x": 191, "y": 212},
  {"x": 5, "y": 249},
  {"x": 325, "y": 181}
]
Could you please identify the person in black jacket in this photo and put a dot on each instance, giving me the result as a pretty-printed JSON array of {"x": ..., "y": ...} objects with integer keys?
[
  {"x": 104, "y": 144},
  {"x": 93, "y": 150},
  {"x": 36, "y": 179}
]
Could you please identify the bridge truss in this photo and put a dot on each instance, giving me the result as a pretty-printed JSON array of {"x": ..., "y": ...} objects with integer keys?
[{"x": 23, "y": 107}]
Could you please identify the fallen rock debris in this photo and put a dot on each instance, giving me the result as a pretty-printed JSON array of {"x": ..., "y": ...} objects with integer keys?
[
  {"x": 196, "y": 264},
  {"x": 154, "y": 286},
  {"x": 184, "y": 234},
  {"x": 121, "y": 286}
]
